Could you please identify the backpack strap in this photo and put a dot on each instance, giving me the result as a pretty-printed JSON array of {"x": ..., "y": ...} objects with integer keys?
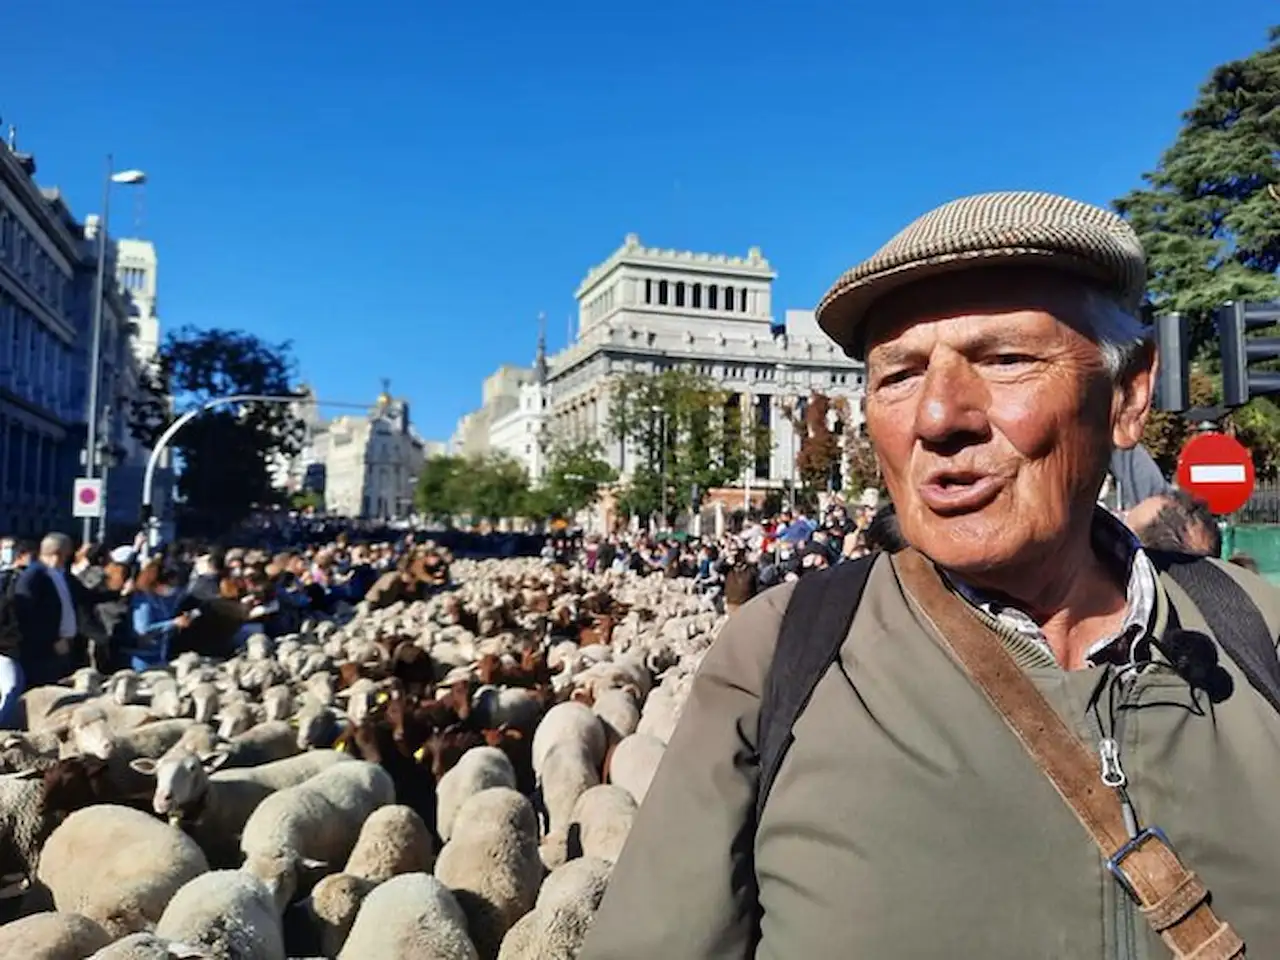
[
  {"x": 813, "y": 629},
  {"x": 1232, "y": 616}
]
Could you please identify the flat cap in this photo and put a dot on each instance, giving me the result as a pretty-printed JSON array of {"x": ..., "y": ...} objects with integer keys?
[{"x": 990, "y": 229}]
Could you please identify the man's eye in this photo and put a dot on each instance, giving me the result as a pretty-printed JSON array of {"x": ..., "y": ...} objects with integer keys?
[
  {"x": 1012, "y": 359},
  {"x": 895, "y": 376}
]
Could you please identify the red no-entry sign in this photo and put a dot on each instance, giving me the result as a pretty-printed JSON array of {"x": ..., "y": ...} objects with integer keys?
[{"x": 1217, "y": 469}]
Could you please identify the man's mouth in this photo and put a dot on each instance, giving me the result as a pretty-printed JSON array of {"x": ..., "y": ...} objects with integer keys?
[{"x": 954, "y": 492}]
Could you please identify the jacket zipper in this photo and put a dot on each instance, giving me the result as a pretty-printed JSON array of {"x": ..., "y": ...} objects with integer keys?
[{"x": 1112, "y": 774}]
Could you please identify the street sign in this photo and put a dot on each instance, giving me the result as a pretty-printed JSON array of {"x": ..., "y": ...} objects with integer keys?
[
  {"x": 86, "y": 499},
  {"x": 1217, "y": 469}
]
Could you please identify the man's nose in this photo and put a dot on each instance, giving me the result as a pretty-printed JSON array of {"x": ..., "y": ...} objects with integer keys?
[{"x": 952, "y": 404}]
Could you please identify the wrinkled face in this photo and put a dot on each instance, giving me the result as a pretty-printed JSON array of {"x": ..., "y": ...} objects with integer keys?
[{"x": 992, "y": 415}]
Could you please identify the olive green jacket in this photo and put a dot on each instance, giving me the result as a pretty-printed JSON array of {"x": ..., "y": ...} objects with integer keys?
[{"x": 908, "y": 822}]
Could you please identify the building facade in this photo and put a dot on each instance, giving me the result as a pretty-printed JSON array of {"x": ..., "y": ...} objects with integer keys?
[
  {"x": 500, "y": 396},
  {"x": 42, "y": 401},
  {"x": 522, "y": 432},
  {"x": 648, "y": 310},
  {"x": 371, "y": 463}
]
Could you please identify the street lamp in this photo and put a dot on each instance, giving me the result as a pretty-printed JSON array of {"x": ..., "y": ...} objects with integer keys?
[{"x": 129, "y": 178}]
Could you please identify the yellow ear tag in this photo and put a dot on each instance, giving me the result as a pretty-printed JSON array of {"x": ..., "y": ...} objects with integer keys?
[
  {"x": 420, "y": 753},
  {"x": 341, "y": 746},
  {"x": 382, "y": 697}
]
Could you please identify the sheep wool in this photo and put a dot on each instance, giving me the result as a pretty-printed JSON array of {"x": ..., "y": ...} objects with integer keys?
[
  {"x": 492, "y": 865},
  {"x": 569, "y": 721},
  {"x": 410, "y": 917},
  {"x": 333, "y": 905},
  {"x": 138, "y": 864},
  {"x": 321, "y": 818},
  {"x": 603, "y": 816},
  {"x": 635, "y": 761},
  {"x": 569, "y": 770},
  {"x": 147, "y": 946},
  {"x": 580, "y": 882},
  {"x": 230, "y": 912},
  {"x": 478, "y": 769},
  {"x": 52, "y": 936},
  {"x": 547, "y": 935},
  {"x": 22, "y": 821},
  {"x": 392, "y": 841}
]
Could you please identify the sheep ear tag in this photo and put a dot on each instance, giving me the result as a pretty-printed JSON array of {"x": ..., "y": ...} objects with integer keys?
[
  {"x": 341, "y": 746},
  {"x": 420, "y": 753}
]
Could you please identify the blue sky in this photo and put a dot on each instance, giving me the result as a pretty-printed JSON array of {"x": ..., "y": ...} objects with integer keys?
[{"x": 400, "y": 187}]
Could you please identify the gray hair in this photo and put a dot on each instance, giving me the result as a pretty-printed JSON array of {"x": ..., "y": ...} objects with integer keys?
[
  {"x": 1121, "y": 337},
  {"x": 55, "y": 544}
]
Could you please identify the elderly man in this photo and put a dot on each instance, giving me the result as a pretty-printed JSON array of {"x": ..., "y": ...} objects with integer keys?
[
  {"x": 999, "y": 755},
  {"x": 50, "y": 604}
]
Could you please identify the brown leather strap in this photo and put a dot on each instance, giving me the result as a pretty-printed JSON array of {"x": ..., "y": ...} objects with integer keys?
[{"x": 1147, "y": 867}]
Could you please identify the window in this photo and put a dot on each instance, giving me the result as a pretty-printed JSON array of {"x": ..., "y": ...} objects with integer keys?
[
  {"x": 712, "y": 293},
  {"x": 662, "y": 292},
  {"x": 728, "y": 299},
  {"x": 679, "y": 293},
  {"x": 742, "y": 300},
  {"x": 763, "y": 411},
  {"x": 648, "y": 291},
  {"x": 695, "y": 296}
]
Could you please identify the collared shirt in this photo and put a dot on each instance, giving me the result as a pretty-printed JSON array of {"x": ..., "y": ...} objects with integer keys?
[
  {"x": 1117, "y": 546},
  {"x": 67, "y": 624}
]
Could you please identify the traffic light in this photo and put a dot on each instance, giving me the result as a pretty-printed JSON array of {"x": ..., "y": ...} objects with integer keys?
[
  {"x": 1239, "y": 351},
  {"x": 1172, "y": 384}
]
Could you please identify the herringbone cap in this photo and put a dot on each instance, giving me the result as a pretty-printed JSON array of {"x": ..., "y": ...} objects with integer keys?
[{"x": 990, "y": 229}]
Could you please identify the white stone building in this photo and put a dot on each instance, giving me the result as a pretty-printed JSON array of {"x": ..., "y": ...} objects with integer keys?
[
  {"x": 521, "y": 433},
  {"x": 648, "y": 310},
  {"x": 371, "y": 463},
  {"x": 500, "y": 396}
]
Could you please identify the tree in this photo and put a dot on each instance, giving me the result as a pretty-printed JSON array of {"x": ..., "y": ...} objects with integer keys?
[
  {"x": 864, "y": 468},
  {"x": 686, "y": 432},
  {"x": 307, "y": 500},
  {"x": 818, "y": 454},
  {"x": 438, "y": 492},
  {"x": 1209, "y": 219},
  {"x": 225, "y": 453},
  {"x": 575, "y": 473},
  {"x": 496, "y": 487}
]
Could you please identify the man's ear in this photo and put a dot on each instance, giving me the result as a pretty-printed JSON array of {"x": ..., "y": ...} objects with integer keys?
[{"x": 1132, "y": 398}]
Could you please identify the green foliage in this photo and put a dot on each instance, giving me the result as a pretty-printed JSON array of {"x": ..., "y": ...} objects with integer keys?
[
  {"x": 1209, "y": 223},
  {"x": 438, "y": 495},
  {"x": 225, "y": 452},
  {"x": 307, "y": 500},
  {"x": 575, "y": 473},
  {"x": 489, "y": 487},
  {"x": 1209, "y": 218},
  {"x": 683, "y": 430}
]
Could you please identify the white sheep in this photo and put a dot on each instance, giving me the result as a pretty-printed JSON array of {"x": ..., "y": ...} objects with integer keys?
[
  {"x": 570, "y": 721},
  {"x": 51, "y": 936},
  {"x": 568, "y": 771},
  {"x": 492, "y": 865},
  {"x": 218, "y": 803},
  {"x": 601, "y": 820},
  {"x": 147, "y": 946},
  {"x": 320, "y": 818},
  {"x": 135, "y": 865},
  {"x": 233, "y": 912},
  {"x": 478, "y": 769},
  {"x": 332, "y": 907},
  {"x": 410, "y": 916},
  {"x": 634, "y": 762},
  {"x": 392, "y": 840},
  {"x": 618, "y": 712}
]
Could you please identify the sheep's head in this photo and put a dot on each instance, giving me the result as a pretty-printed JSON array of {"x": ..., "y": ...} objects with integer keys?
[
  {"x": 205, "y": 698},
  {"x": 182, "y": 778},
  {"x": 90, "y": 734},
  {"x": 280, "y": 873}
]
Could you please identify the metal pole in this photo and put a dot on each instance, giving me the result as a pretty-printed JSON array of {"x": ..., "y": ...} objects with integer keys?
[
  {"x": 148, "y": 478},
  {"x": 95, "y": 349},
  {"x": 662, "y": 422}
]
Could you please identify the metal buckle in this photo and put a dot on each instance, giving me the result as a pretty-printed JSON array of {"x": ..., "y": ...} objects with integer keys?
[{"x": 1113, "y": 863}]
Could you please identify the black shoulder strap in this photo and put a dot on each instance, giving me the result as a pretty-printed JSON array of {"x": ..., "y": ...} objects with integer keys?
[
  {"x": 813, "y": 629},
  {"x": 1233, "y": 617}
]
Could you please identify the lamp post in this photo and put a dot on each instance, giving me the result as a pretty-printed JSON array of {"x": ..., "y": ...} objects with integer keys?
[{"x": 131, "y": 177}]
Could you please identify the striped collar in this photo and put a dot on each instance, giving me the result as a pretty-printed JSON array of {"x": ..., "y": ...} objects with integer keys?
[{"x": 1117, "y": 546}]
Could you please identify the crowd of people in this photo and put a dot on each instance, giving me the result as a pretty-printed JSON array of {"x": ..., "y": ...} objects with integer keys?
[{"x": 63, "y": 608}]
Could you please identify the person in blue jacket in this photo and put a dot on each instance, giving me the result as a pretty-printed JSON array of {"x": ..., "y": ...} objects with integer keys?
[{"x": 153, "y": 611}]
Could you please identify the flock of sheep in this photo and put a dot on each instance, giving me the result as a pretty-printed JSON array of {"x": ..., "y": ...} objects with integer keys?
[{"x": 448, "y": 780}]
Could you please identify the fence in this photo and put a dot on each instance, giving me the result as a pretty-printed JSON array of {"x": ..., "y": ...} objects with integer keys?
[{"x": 1263, "y": 506}]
